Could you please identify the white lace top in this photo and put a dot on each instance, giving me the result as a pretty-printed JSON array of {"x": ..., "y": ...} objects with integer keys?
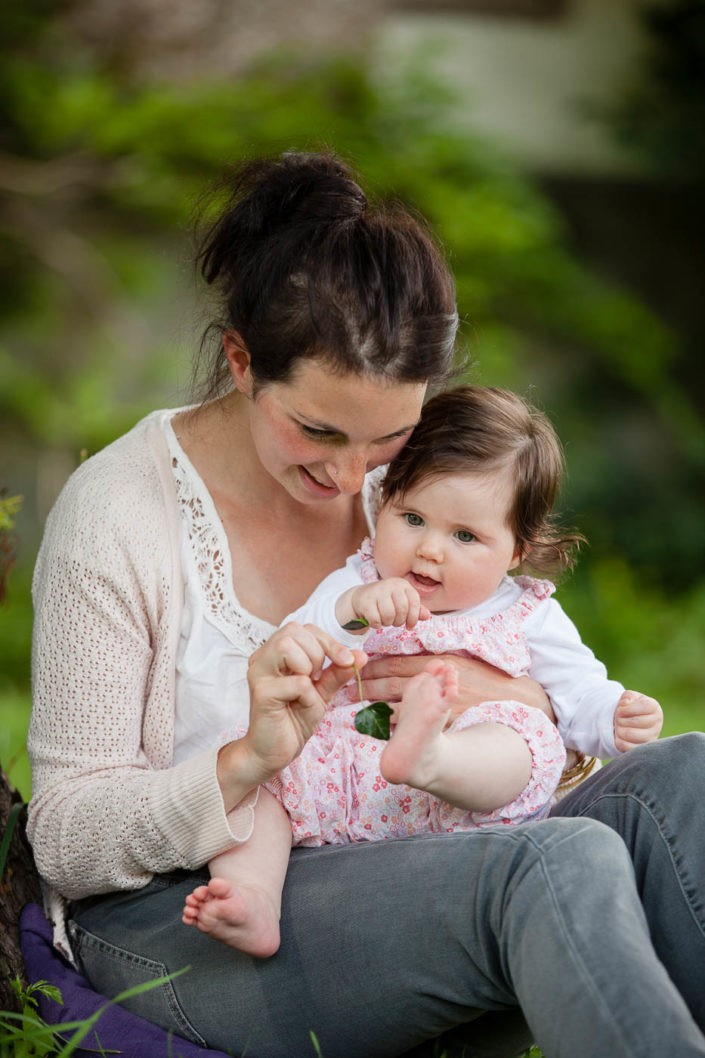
[{"x": 217, "y": 634}]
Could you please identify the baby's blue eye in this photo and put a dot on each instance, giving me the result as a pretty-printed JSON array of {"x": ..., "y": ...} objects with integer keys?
[
  {"x": 465, "y": 536},
  {"x": 413, "y": 519}
]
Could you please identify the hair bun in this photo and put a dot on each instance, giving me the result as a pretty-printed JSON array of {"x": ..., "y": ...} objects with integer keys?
[
  {"x": 297, "y": 188},
  {"x": 304, "y": 267}
]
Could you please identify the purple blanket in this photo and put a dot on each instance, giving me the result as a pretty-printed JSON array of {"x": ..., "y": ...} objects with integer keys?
[{"x": 117, "y": 1029}]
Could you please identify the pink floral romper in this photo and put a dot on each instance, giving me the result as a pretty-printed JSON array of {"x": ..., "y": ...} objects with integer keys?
[{"x": 334, "y": 792}]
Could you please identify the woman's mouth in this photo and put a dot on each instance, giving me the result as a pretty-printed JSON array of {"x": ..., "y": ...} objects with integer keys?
[{"x": 316, "y": 487}]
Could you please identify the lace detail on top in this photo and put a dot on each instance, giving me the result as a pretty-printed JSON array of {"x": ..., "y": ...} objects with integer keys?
[
  {"x": 372, "y": 495},
  {"x": 211, "y": 554}
]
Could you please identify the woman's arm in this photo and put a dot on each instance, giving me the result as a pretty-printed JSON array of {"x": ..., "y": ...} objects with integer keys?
[
  {"x": 108, "y": 810},
  {"x": 384, "y": 678}
]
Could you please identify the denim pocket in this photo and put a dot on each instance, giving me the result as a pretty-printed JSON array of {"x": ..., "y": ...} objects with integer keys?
[{"x": 111, "y": 970}]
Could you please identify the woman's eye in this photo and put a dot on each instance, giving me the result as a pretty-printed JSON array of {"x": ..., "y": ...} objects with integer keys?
[
  {"x": 465, "y": 536},
  {"x": 413, "y": 519},
  {"x": 319, "y": 435},
  {"x": 394, "y": 438}
]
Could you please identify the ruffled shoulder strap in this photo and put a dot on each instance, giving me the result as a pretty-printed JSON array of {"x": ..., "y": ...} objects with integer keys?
[
  {"x": 533, "y": 592},
  {"x": 366, "y": 554}
]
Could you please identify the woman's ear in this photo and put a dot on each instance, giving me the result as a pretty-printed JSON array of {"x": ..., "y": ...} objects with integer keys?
[{"x": 238, "y": 357}]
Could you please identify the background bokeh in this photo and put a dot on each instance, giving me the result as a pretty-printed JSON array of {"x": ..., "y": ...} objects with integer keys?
[{"x": 556, "y": 148}]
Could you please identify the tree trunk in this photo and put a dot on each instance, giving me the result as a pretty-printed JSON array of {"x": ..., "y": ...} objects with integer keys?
[{"x": 19, "y": 884}]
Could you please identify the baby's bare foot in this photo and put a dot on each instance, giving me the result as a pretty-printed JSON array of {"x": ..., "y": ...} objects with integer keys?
[
  {"x": 412, "y": 754},
  {"x": 242, "y": 916}
]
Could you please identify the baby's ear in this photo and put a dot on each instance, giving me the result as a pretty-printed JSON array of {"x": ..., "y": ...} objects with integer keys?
[{"x": 521, "y": 553}]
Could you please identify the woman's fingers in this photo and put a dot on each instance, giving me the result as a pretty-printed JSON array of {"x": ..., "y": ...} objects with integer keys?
[
  {"x": 289, "y": 670},
  {"x": 284, "y": 713},
  {"x": 298, "y": 650},
  {"x": 298, "y": 654},
  {"x": 277, "y": 692},
  {"x": 336, "y": 675},
  {"x": 384, "y": 678},
  {"x": 290, "y": 687}
]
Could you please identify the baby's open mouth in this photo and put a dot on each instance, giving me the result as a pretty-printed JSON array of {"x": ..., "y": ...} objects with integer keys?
[{"x": 425, "y": 582}]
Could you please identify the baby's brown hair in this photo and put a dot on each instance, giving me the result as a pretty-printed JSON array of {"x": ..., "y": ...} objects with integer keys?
[{"x": 476, "y": 429}]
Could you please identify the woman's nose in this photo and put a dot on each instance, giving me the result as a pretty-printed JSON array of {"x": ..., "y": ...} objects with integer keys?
[{"x": 348, "y": 472}]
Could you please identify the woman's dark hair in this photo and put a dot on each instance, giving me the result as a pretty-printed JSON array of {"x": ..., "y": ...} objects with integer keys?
[
  {"x": 306, "y": 267},
  {"x": 476, "y": 429}
]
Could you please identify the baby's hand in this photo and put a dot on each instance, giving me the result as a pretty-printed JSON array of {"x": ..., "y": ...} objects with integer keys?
[
  {"x": 637, "y": 719},
  {"x": 387, "y": 602}
]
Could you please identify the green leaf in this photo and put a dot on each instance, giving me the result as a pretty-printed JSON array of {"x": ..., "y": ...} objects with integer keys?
[
  {"x": 374, "y": 720},
  {"x": 356, "y": 624},
  {"x": 9, "y": 507}
]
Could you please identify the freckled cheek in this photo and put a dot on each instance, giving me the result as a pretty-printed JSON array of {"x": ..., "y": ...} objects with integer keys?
[
  {"x": 379, "y": 456},
  {"x": 293, "y": 448}
]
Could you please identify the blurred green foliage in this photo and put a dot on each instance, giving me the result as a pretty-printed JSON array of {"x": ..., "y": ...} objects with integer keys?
[
  {"x": 99, "y": 176},
  {"x": 661, "y": 116}
]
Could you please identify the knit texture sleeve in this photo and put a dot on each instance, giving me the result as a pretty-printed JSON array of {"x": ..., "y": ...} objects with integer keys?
[{"x": 108, "y": 810}]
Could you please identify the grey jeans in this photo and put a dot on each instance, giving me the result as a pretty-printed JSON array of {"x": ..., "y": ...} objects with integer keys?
[{"x": 591, "y": 922}]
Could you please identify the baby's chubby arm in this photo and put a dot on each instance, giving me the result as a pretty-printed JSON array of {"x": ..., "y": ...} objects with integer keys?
[
  {"x": 637, "y": 719},
  {"x": 383, "y": 603}
]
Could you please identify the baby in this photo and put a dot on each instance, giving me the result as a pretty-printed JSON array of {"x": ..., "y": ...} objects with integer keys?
[{"x": 468, "y": 500}]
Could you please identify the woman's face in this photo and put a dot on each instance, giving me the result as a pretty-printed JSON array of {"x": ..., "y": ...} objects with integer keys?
[{"x": 319, "y": 433}]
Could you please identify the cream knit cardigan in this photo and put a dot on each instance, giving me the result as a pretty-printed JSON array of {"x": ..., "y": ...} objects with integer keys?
[{"x": 108, "y": 809}]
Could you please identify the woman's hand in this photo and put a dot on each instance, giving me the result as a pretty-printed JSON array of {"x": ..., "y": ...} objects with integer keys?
[
  {"x": 385, "y": 679},
  {"x": 289, "y": 693}
]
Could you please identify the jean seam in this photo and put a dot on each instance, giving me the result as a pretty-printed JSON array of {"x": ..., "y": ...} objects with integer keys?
[
  {"x": 577, "y": 957},
  {"x": 663, "y": 835},
  {"x": 82, "y": 937}
]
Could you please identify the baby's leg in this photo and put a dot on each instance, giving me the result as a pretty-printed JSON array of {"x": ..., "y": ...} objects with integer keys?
[
  {"x": 241, "y": 904},
  {"x": 477, "y": 769}
]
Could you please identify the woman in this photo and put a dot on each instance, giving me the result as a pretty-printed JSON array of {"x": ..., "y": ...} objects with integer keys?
[{"x": 166, "y": 565}]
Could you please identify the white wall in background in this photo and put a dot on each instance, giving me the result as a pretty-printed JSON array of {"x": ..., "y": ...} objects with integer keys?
[{"x": 525, "y": 80}]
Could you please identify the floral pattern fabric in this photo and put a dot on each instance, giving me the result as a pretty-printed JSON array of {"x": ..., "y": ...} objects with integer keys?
[{"x": 334, "y": 791}]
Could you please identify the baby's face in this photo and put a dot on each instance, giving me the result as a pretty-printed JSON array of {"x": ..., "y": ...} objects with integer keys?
[{"x": 449, "y": 538}]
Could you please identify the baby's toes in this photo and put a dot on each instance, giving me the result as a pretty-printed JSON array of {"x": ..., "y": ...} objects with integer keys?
[{"x": 198, "y": 896}]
